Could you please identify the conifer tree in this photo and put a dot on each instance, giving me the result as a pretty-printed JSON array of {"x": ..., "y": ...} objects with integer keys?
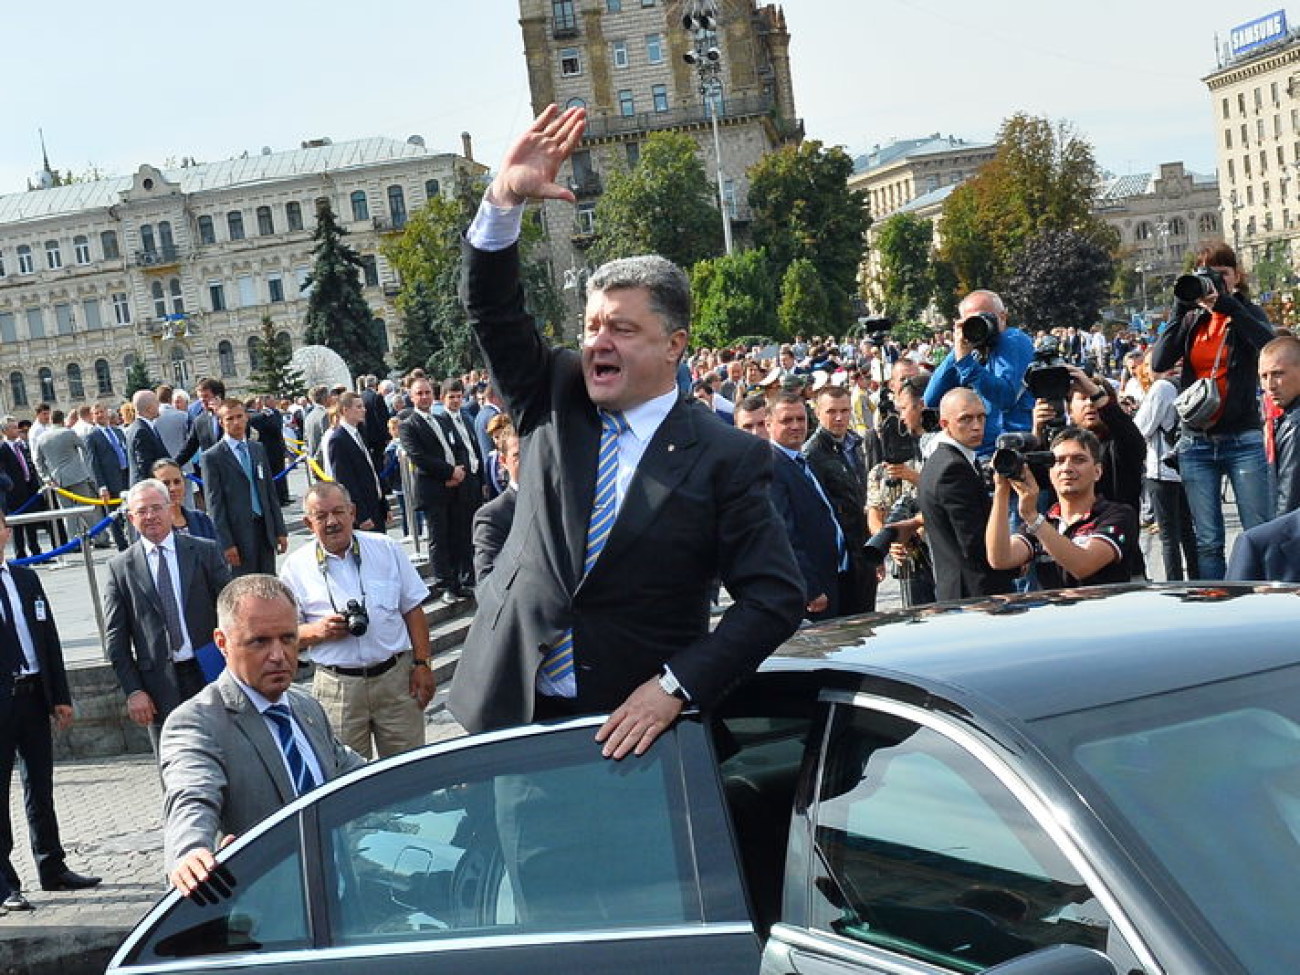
[{"x": 338, "y": 315}]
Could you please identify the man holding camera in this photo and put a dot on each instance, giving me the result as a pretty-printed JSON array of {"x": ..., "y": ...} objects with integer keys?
[
  {"x": 1082, "y": 540},
  {"x": 359, "y": 610},
  {"x": 989, "y": 357}
]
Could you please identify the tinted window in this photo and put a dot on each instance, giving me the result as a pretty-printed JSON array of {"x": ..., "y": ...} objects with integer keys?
[
  {"x": 539, "y": 834},
  {"x": 924, "y": 852}
]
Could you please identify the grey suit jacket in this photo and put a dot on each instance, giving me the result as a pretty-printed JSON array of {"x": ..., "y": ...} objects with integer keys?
[
  {"x": 136, "y": 631},
  {"x": 61, "y": 457},
  {"x": 226, "y": 488},
  {"x": 172, "y": 426},
  {"x": 222, "y": 769}
]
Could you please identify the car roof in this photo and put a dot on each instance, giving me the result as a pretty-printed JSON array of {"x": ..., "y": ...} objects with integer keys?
[{"x": 1050, "y": 653}]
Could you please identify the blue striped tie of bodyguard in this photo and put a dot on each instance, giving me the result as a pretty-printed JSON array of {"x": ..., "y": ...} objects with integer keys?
[
  {"x": 558, "y": 664},
  {"x": 299, "y": 770}
]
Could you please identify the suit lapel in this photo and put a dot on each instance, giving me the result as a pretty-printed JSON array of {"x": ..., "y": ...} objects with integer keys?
[
  {"x": 318, "y": 734},
  {"x": 253, "y": 727}
]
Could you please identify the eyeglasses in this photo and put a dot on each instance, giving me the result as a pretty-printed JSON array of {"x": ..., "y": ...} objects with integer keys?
[{"x": 149, "y": 509}]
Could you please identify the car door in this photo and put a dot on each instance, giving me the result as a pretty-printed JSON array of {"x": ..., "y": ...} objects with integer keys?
[
  {"x": 917, "y": 849},
  {"x": 521, "y": 851}
]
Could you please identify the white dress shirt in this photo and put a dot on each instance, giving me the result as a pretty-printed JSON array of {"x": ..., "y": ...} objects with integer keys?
[
  {"x": 31, "y": 665},
  {"x": 304, "y": 746}
]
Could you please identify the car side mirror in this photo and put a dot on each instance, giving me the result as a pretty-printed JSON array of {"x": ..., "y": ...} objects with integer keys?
[{"x": 1057, "y": 960}]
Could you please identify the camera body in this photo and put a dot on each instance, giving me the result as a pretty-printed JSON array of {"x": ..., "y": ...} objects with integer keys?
[
  {"x": 877, "y": 546},
  {"x": 355, "y": 618},
  {"x": 1015, "y": 450},
  {"x": 981, "y": 330},
  {"x": 1048, "y": 378},
  {"x": 1201, "y": 283}
]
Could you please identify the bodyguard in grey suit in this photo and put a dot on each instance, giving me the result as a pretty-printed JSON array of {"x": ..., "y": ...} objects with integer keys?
[
  {"x": 153, "y": 642},
  {"x": 61, "y": 459},
  {"x": 242, "y": 500},
  {"x": 249, "y": 742}
]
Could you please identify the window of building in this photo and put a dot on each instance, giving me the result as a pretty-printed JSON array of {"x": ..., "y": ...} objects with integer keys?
[
  {"x": 301, "y": 275},
  {"x": 285, "y": 340},
  {"x": 8, "y": 327},
  {"x": 76, "y": 388},
  {"x": 1281, "y": 157},
  {"x": 1227, "y": 138},
  {"x": 1225, "y": 108},
  {"x": 103, "y": 378},
  {"x": 147, "y": 242},
  {"x": 254, "y": 353},
  {"x": 293, "y": 215},
  {"x": 1245, "y": 136},
  {"x": 360, "y": 206},
  {"x": 397, "y": 206},
  {"x": 2, "y": 265},
  {"x": 90, "y": 314},
  {"x": 1259, "y": 102},
  {"x": 620, "y": 54},
  {"x": 432, "y": 189},
  {"x": 121, "y": 308},
  {"x": 226, "y": 357},
  {"x": 647, "y": 3},
  {"x": 265, "y": 224},
  {"x": 570, "y": 62},
  {"x": 565, "y": 18},
  {"x": 247, "y": 290},
  {"x": 64, "y": 323},
  {"x": 1250, "y": 199},
  {"x": 575, "y": 103},
  {"x": 633, "y": 151},
  {"x": 586, "y": 218},
  {"x": 1277, "y": 126},
  {"x": 180, "y": 365},
  {"x": 159, "y": 300},
  {"x": 1245, "y": 166},
  {"x": 1232, "y": 174},
  {"x": 80, "y": 249},
  {"x": 217, "y": 295},
  {"x": 1263, "y": 161},
  {"x": 25, "y": 263},
  {"x": 729, "y": 197},
  {"x": 1142, "y": 231},
  {"x": 46, "y": 377},
  {"x": 614, "y": 6},
  {"x": 275, "y": 288},
  {"x": 1241, "y": 103},
  {"x": 1259, "y": 130},
  {"x": 654, "y": 48},
  {"x": 178, "y": 301},
  {"x": 166, "y": 242},
  {"x": 207, "y": 232},
  {"x": 235, "y": 224},
  {"x": 626, "y": 104},
  {"x": 35, "y": 323},
  {"x": 1273, "y": 92},
  {"x": 108, "y": 244},
  {"x": 370, "y": 270},
  {"x": 17, "y": 389},
  {"x": 659, "y": 94}
]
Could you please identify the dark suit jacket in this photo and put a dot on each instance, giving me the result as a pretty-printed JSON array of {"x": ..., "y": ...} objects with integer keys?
[
  {"x": 226, "y": 488},
  {"x": 1269, "y": 552},
  {"x": 810, "y": 526},
  {"x": 351, "y": 467},
  {"x": 136, "y": 640},
  {"x": 205, "y": 434},
  {"x": 269, "y": 427},
  {"x": 956, "y": 508},
  {"x": 374, "y": 429},
  {"x": 45, "y": 638},
  {"x": 143, "y": 449},
  {"x": 103, "y": 459},
  {"x": 491, "y": 526},
  {"x": 428, "y": 460},
  {"x": 697, "y": 509},
  {"x": 22, "y": 486}
]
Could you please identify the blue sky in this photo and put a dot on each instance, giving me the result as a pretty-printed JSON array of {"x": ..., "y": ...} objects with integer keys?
[{"x": 114, "y": 86}]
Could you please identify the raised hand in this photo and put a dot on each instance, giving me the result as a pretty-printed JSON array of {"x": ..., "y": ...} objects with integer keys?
[{"x": 530, "y": 165}]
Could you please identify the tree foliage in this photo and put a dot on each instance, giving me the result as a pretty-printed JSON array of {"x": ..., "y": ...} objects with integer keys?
[
  {"x": 804, "y": 307},
  {"x": 664, "y": 205},
  {"x": 338, "y": 315},
  {"x": 804, "y": 211},
  {"x": 1062, "y": 278},
  {"x": 733, "y": 296},
  {"x": 903, "y": 245},
  {"x": 1042, "y": 178},
  {"x": 275, "y": 375},
  {"x": 137, "y": 377}
]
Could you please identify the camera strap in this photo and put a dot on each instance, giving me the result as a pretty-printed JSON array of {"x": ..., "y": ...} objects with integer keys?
[{"x": 322, "y": 563}]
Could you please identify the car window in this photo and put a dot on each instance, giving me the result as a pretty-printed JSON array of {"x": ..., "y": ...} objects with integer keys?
[
  {"x": 264, "y": 910},
  {"x": 923, "y": 851},
  {"x": 533, "y": 834}
]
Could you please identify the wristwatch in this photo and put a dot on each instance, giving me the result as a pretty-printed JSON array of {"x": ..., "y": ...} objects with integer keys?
[
  {"x": 1033, "y": 526},
  {"x": 668, "y": 684},
  {"x": 417, "y": 662}
]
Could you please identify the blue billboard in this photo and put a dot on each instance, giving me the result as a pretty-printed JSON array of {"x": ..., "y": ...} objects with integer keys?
[{"x": 1258, "y": 32}]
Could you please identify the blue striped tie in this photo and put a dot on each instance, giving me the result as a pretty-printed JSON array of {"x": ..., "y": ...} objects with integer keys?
[
  {"x": 558, "y": 664},
  {"x": 299, "y": 770}
]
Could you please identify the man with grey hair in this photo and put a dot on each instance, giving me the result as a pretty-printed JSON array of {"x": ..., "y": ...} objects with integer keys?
[
  {"x": 632, "y": 500},
  {"x": 160, "y": 609}
]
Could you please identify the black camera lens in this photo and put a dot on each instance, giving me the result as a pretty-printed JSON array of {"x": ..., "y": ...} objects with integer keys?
[{"x": 1191, "y": 288}]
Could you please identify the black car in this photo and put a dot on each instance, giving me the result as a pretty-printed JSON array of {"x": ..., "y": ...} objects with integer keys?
[{"x": 1083, "y": 781}]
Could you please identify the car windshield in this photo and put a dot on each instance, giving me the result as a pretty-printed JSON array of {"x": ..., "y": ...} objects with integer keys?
[{"x": 1208, "y": 781}]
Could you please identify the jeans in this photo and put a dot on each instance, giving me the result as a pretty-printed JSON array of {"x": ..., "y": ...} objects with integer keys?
[
  {"x": 1177, "y": 540},
  {"x": 1203, "y": 460}
]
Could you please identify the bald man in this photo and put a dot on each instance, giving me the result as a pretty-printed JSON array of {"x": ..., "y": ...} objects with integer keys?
[
  {"x": 1279, "y": 376},
  {"x": 143, "y": 444},
  {"x": 955, "y": 502}
]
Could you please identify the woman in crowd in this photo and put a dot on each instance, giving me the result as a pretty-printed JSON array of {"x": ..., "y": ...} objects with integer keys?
[{"x": 185, "y": 520}]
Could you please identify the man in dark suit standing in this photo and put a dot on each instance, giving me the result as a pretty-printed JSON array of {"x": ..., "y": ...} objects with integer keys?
[
  {"x": 267, "y": 422},
  {"x": 205, "y": 425},
  {"x": 33, "y": 691},
  {"x": 438, "y": 476},
  {"x": 160, "y": 608},
  {"x": 956, "y": 504},
  {"x": 16, "y": 461},
  {"x": 492, "y": 521},
  {"x": 144, "y": 447},
  {"x": 458, "y": 429},
  {"x": 108, "y": 462},
  {"x": 348, "y": 461},
  {"x": 1269, "y": 552},
  {"x": 374, "y": 430},
  {"x": 632, "y": 500},
  {"x": 241, "y": 498}
]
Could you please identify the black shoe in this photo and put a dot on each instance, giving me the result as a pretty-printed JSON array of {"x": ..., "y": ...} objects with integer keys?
[
  {"x": 69, "y": 881},
  {"x": 17, "y": 902}
]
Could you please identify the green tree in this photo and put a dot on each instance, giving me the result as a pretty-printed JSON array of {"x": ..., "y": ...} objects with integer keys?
[
  {"x": 803, "y": 210},
  {"x": 804, "y": 307},
  {"x": 664, "y": 205},
  {"x": 275, "y": 374},
  {"x": 137, "y": 377},
  {"x": 1043, "y": 177},
  {"x": 1062, "y": 278},
  {"x": 732, "y": 296},
  {"x": 946, "y": 298},
  {"x": 338, "y": 315},
  {"x": 906, "y": 281}
]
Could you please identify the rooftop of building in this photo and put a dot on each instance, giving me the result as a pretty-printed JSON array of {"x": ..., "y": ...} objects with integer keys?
[
  {"x": 927, "y": 200},
  {"x": 246, "y": 170},
  {"x": 1142, "y": 184},
  {"x": 931, "y": 145}
]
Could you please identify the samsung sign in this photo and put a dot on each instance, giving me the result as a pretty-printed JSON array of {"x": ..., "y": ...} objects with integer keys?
[{"x": 1247, "y": 37}]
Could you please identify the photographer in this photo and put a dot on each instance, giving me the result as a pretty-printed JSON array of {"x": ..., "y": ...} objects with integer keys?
[
  {"x": 1157, "y": 421},
  {"x": 1218, "y": 336},
  {"x": 359, "y": 605},
  {"x": 1082, "y": 540},
  {"x": 990, "y": 358}
]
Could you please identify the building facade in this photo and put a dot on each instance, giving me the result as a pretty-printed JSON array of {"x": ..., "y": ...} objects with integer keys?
[
  {"x": 624, "y": 61},
  {"x": 904, "y": 171},
  {"x": 177, "y": 268}
]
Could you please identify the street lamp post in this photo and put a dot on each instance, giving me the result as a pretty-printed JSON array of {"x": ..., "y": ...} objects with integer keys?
[
  {"x": 702, "y": 23},
  {"x": 1142, "y": 270}
]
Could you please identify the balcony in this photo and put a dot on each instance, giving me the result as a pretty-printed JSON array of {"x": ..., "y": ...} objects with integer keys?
[
  {"x": 564, "y": 29},
  {"x": 387, "y": 225},
  {"x": 159, "y": 257},
  {"x": 733, "y": 109},
  {"x": 586, "y": 185}
]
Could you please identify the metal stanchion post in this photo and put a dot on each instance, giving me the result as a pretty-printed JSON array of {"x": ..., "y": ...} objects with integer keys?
[
  {"x": 88, "y": 556},
  {"x": 409, "y": 499}
]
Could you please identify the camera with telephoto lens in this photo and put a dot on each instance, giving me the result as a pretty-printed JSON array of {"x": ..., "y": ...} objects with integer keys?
[
  {"x": 898, "y": 445},
  {"x": 1201, "y": 283},
  {"x": 355, "y": 618},
  {"x": 1014, "y": 451},
  {"x": 875, "y": 329},
  {"x": 1048, "y": 378},
  {"x": 980, "y": 330},
  {"x": 877, "y": 546}
]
